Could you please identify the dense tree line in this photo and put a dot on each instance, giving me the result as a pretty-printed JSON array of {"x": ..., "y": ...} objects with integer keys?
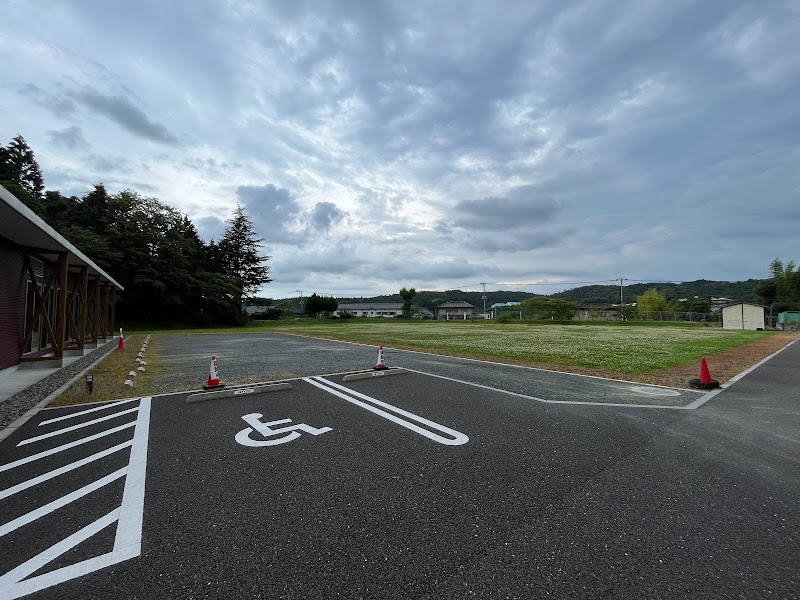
[
  {"x": 743, "y": 291},
  {"x": 432, "y": 299},
  {"x": 150, "y": 248},
  {"x": 782, "y": 290}
]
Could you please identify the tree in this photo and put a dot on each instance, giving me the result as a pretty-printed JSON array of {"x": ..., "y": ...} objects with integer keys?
[
  {"x": 407, "y": 296},
  {"x": 19, "y": 166},
  {"x": 541, "y": 307},
  {"x": 240, "y": 257},
  {"x": 696, "y": 306},
  {"x": 767, "y": 292},
  {"x": 786, "y": 280},
  {"x": 318, "y": 304},
  {"x": 651, "y": 301}
]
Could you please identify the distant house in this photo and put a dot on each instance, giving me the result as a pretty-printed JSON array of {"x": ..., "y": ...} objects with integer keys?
[
  {"x": 371, "y": 309},
  {"x": 498, "y": 306},
  {"x": 717, "y": 304},
  {"x": 450, "y": 311},
  {"x": 743, "y": 316},
  {"x": 252, "y": 309}
]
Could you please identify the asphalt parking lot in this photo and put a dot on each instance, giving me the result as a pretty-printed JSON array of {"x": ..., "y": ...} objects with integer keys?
[{"x": 411, "y": 485}]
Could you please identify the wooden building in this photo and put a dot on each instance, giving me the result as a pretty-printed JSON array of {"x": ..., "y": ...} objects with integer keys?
[{"x": 54, "y": 301}]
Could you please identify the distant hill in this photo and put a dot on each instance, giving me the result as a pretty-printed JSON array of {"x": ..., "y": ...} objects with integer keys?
[
  {"x": 743, "y": 291},
  {"x": 431, "y": 300}
]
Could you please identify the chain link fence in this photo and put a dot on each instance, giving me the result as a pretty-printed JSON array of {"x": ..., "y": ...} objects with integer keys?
[{"x": 676, "y": 316}]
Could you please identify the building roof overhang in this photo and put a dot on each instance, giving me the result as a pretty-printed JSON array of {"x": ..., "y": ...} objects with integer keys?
[{"x": 25, "y": 228}]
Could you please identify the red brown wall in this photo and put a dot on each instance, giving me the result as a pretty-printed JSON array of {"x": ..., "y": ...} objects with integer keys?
[{"x": 12, "y": 304}]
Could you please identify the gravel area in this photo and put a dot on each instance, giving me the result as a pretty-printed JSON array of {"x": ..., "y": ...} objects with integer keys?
[
  {"x": 255, "y": 357},
  {"x": 251, "y": 358},
  {"x": 21, "y": 402}
]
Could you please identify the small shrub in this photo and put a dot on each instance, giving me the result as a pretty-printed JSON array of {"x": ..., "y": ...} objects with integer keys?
[{"x": 271, "y": 314}]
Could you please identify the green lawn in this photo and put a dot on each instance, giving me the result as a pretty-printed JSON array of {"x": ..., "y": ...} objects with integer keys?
[
  {"x": 611, "y": 346},
  {"x": 627, "y": 349}
]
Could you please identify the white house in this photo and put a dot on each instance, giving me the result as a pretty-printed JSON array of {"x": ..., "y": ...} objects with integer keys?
[
  {"x": 743, "y": 316},
  {"x": 450, "y": 311},
  {"x": 371, "y": 309}
]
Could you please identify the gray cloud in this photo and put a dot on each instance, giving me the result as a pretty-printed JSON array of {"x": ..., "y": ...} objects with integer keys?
[
  {"x": 520, "y": 208},
  {"x": 325, "y": 215},
  {"x": 279, "y": 217},
  {"x": 110, "y": 164},
  {"x": 634, "y": 136},
  {"x": 71, "y": 137},
  {"x": 124, "y": 113},
  {"x": 57, "y": 104}
]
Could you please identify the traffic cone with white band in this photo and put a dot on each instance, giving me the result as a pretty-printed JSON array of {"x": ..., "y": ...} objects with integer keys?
[
  {"x": 213, "y": 376},
  {"x": 381, "y": 362}
]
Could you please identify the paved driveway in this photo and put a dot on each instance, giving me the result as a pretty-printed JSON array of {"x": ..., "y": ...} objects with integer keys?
[{"x": 413, "y": 486}]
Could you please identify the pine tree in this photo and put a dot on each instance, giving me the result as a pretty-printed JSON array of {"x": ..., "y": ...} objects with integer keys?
[
  {"x": 20, "y": 167},
  {"x": 240, "y": 257}
]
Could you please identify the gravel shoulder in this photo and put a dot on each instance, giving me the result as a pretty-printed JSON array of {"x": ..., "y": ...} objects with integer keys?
[{"x": 20, "y": 403}]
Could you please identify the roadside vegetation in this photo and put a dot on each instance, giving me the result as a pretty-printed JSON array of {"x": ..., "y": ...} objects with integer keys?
[{"x": 109, "y": 374}]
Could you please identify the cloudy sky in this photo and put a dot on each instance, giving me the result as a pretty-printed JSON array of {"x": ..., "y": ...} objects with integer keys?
[{"x": 434, "y": 145}]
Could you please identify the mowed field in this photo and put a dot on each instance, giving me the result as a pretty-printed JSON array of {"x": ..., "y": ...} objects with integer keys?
[{"x": 665, "y": 354}]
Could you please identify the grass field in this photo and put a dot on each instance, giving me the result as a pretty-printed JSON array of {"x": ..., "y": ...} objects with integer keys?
[
  {"x": 627, "y": 349},
  {"x": 653, "y": 352}
]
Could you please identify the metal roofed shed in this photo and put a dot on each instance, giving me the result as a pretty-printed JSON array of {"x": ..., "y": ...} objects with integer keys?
[{"x": 743, "y": 316}]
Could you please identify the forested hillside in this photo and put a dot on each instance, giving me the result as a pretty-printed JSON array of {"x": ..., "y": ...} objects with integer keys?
[
  {"x": 431, "y": 300},
  {"x": 744, "y": 291}
]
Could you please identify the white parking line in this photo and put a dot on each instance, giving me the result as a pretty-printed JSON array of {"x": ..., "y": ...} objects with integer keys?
[
  {"x": 63, "y": 501},
  {"x": 41, "y": 559},
  {"x": 61, "y": 470},
  {"x": 78, "y": 426},
  {"x": 128, "y": 537},
  {"x": 58, "y": 449},
  {"x": 129, "y": 528},
  {"x": 89, "y": 410},
  {"x": 351, "y": 395}
]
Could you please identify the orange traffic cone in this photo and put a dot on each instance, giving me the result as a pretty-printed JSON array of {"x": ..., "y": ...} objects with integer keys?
[
  {"x": 705, "y": 382},
  {"x": 213, "y": 376},
  {"x": 121, "y": 344},
  {"x": 381, "y": 362}
]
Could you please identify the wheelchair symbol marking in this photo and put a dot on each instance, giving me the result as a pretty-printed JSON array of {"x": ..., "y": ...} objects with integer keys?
[{"x": 253, "y": 419}]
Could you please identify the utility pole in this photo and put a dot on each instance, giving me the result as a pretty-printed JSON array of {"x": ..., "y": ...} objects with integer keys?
[
  {"x": 621, "y": 303},
  {"x": 301, "y": 299},
  {"x": 484, "y": 297}
]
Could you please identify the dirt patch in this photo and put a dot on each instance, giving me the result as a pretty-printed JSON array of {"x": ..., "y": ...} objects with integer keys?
[{"x": 726, "y": 364}]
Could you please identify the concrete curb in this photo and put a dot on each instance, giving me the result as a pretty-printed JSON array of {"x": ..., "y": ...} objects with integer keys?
[
  {"x": 233, "y": 392},
  {"x": 371, "y": 374}
]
